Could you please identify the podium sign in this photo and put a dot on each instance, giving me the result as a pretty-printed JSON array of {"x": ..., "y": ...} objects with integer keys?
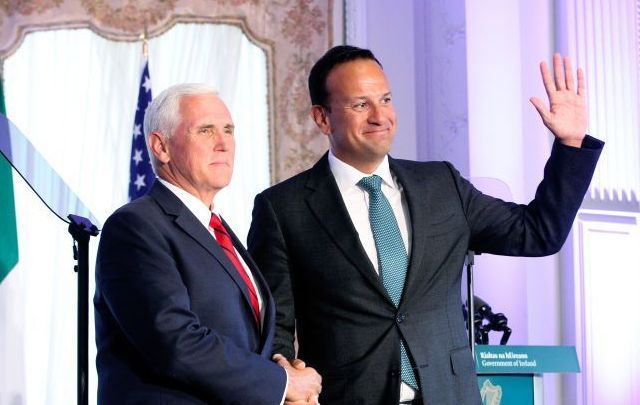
[{"x": 513, "y": 374}]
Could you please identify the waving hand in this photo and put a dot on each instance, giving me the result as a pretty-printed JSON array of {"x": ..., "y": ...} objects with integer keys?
[{"x": 566, "y": 117}]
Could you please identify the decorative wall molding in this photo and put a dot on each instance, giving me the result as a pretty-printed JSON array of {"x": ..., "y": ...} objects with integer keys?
[
  {"x": 601, "y": 302},
  {"x": 293, "y": 34}
]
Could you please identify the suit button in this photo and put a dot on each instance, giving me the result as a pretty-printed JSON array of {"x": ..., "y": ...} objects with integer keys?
[{"x": 400, "y": 318}]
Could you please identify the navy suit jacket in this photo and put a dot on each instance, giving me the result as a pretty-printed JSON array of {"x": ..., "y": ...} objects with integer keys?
[
  {"x": 326, "y": 288},
  {"x": 174, "y": 323}
]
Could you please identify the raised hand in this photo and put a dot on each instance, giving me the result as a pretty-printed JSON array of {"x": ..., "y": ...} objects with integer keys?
[
  {"x": 566, "y": 117},
  {"x": 304, "y": 384}
]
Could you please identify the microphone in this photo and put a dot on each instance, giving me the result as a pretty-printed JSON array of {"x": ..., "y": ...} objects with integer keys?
[{"x": 485, "y": 321}]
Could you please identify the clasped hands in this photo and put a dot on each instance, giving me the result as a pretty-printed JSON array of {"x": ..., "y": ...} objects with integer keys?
[{"x": 304, "y": 384}]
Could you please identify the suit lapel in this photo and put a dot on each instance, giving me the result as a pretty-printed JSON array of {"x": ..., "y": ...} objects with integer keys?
[
  {"x": 326, "y": 204},
  {"x": 412, "y": 184},
  {"x": 185, "y": 220}
]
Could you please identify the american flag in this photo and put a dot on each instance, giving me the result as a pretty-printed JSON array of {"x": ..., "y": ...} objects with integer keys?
[{"x": 141, "y": 175}]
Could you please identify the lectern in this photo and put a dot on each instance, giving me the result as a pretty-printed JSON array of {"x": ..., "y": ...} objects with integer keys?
[{"x": 512, "y": 375}]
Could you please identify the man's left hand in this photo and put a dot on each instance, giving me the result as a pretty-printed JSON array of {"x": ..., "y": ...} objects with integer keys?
[{"x": 567, "y": 116}]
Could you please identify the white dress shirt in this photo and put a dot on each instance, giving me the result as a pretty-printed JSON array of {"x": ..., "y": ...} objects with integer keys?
[{"x": 357, "y": 203}]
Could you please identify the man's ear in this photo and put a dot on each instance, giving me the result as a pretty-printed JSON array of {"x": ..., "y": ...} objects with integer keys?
[
  {"x": 159, "y": 147},
  {"x": 319, "y": 115}
]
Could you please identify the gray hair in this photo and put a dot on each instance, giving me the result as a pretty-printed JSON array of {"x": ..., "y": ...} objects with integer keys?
[{"x": 163, "y": 114}]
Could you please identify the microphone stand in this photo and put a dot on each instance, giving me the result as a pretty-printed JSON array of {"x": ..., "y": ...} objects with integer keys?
[
  {"x": 81, "y": 229},
  {"x": 470, "y": 304}
]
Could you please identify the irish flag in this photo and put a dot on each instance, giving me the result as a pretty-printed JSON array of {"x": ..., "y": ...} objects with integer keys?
[
  {"x": 8, "y": 234},
  {"x": 12, "y": 383}
]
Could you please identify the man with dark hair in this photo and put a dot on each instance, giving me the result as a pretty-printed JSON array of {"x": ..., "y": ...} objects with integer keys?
[
  {"x": 364, "y": 253},
  {"x": 319, "y": 72},
  {"x": 183, "y": 316}
]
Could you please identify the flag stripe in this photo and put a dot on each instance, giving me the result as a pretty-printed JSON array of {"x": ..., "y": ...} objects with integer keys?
[{"x": 8, "y": 231}]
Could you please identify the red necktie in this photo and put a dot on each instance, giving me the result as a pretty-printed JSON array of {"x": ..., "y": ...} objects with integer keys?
[{"x": 223, "y": 238}]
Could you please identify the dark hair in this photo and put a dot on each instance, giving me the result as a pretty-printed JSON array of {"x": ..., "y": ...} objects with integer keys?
[{"x": 320, "y": 71}]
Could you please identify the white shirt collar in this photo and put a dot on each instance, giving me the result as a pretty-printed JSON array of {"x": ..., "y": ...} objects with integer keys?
[
  {"x": 193, "y": 203},
  {"x": 348, "y": 176}
]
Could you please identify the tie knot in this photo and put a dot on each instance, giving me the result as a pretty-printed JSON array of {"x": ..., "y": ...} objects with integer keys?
[
  {"x": 216, "y": 223},
  {"x": 371, "y": 184}
]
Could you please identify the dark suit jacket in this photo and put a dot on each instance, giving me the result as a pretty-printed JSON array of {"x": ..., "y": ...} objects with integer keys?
[
  {"x": 174, "y": 323},
  {"x": 348, "y": 329}
]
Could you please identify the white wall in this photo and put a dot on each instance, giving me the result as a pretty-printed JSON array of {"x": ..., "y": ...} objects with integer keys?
[
  {"x": 386, "y": 27},
  {"x": 495, "y": 139}
]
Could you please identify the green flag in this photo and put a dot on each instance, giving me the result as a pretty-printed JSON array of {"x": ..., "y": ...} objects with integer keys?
[{"x": 8, "y": 232}]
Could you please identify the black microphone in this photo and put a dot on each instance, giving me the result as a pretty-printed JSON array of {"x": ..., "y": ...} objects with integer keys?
[{"x": 494, "y": 322}]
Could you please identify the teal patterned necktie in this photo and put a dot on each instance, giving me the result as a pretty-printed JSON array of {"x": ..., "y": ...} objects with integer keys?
[{"x": 392, "y": 256}]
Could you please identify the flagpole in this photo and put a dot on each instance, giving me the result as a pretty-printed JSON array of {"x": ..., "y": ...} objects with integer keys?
[{"x": 145, "y": 43}]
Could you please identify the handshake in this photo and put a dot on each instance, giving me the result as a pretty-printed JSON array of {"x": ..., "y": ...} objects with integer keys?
[{"x": 304, "y": 384}]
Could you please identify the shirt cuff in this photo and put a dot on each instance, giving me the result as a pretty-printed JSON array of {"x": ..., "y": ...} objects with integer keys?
[{"x": 286, "y": 386}]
